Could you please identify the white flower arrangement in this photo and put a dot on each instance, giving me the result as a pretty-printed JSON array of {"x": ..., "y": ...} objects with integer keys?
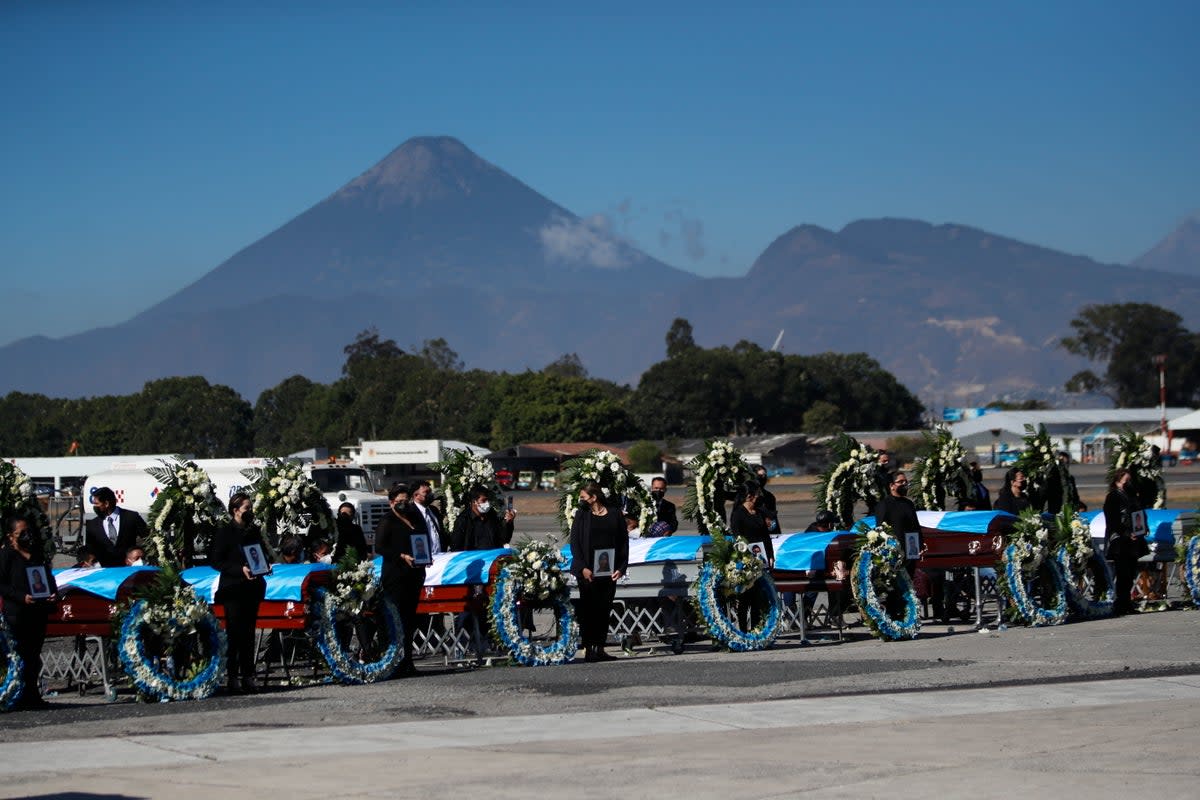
[
  {"x": 711, "y": 601},
  {"x": 1027, "y": 551},
  {"x": 535, "y": 575},
  {"x": 355, "y": 586},
  {"x": 940, "y": 473},
  {"x": 186, "y": 511},
  {"x": 331, "y": 608},
  {"x": 1075, "y": 555},
  {"x": 616, "y": 481},
  {"x": 461, "y": 471},
  {"x": 879, "y": 569},
  {"x": 154, "y": 674},
  {"x": 286, "y": 500},
  {"x": 1132, "y": 451},
  {"x": 18, "y": 500},
  {"x": 1189, "y": 556},
  {"x": 718, "y": 471},
  {"x": 854, "y": 477}
]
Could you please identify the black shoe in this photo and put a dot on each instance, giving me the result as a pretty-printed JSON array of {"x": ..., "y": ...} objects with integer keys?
[
  {"x": 600, "y": 655},
  {"x": 32, "y": 704},
  {"x": 249, "y": 686}
]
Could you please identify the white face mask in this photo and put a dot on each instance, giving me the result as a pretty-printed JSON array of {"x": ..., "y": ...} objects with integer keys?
[
  {"x": 137, "y": 563},
  {"x": 483, "y": 506},
  {"x": 326, "y": 559}
]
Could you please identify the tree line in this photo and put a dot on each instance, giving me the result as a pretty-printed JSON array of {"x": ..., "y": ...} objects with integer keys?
[{"x": 386, "y": 393}]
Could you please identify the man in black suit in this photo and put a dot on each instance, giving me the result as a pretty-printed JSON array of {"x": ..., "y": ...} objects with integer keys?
[
  {"x": 664, "y": 510},
  {"x": 114, "y": 530}
]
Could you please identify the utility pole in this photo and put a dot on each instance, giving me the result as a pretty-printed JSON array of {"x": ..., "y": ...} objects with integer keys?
[{"x": 1160, "y": 361}]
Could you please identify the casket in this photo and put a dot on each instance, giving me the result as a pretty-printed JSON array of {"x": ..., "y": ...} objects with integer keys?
[
  {"x": 952, "y": 539},
  {"x": 660, "y": 567},
  {"x": 290, "y": 588},
  {"x": 1163, "y": 525},
  {"x": 452, "y": 581},
  {"x": 90, "y": 598},
  {"x": 808, "y": 562}
]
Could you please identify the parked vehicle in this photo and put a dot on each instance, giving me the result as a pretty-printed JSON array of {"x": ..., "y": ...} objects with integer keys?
[
  {"x": 525, "y": 480},
  {"x": 549, "y": 480},
  {"x": 505, "y": 478}
]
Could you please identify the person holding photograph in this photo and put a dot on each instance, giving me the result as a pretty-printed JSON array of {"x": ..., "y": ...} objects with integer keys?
[
  {"x": 400, "y": 577},
  {"x": 749, "y": 520},
  {"x": 26, "y": 615},
  {"x": 597, "y": 526},
  {"x": 1124, "y": 549},
  {"x": 239, "y": 590}
]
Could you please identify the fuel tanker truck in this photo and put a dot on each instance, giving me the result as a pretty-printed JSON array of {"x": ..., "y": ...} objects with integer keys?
[{"x": 136, "y": 489}]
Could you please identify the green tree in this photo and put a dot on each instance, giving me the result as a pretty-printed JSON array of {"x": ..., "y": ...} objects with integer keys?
[
  {"x": 536, "y": 407},
  {"x": 823, "y": 419},
  {"x": 1123, "y": 338},
  {"x": 189, "y": 415},
  {"x": 567, "y": 366},
  {"x": 679, "y": 338},
  {"x": 645, "y": 456}
]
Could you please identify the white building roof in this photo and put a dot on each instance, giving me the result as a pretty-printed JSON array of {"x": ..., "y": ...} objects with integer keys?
[{"x": 1070, "y": 421}]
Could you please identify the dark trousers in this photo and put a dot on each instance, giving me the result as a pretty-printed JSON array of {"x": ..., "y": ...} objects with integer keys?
[
  {"x": 29, "y": 634},
  {"x": 1123, "y": 554},
  {"x": 595, "y": 608},
  {"x": 406, "y": 594},
  {"x": 241, "y": 614}
]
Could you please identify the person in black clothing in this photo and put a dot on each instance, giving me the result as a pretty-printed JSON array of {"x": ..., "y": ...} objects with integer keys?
[
  {"x": 350, "y": 536},
  {"x": 479, "y": 527},
  {"x": 597, "y": 526},
  {"x": 664, "y": 510},
  {"x": 748, "y": 520},
  {"x": 981, "y": 498},
  {"x": 238, "y": 589},
  {"x": 26, "y": 616},
  {"x": 1012, "y": 497},
  {"x": 896, "y": 510},
  {"x": 766, "y": 500},
  {"x": 400, "y": 578},
  {"x": 1124, "y": 549},
  {"x": 113, "y": 530}
]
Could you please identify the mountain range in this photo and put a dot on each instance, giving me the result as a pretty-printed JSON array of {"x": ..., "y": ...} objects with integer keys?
[{"x": 434, "y": 241}]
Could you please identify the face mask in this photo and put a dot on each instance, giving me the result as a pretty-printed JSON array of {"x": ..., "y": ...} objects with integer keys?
[
  {"x": 326, "y": 559},
  {"x": 762, "y": 479},
  {"x": 401, "y": 505},
  {"x": 483, "y": 506},
  {"x": 25, "y": 541},
  {"x": 137, "y": 562},
  {"x": 584, "y": 504},
  {"x": 658, "y": 495},
  {"x": 902, "y": 489},
  {"x": 99, "y": 512}
]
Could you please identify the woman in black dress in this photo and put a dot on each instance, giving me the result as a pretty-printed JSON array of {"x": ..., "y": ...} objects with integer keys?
[
  {"x": 400, "y": 577},
  {"x": 597, "y": 526},
  {"x": 25, "y": 615},
  {"x": 239, "y": 590},
  {"x": 1124, "y": 549},
  {"x": 749, "y": 520}
]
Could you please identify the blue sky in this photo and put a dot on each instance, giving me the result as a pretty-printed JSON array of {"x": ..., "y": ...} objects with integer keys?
[{"x": 144, "y": 143}]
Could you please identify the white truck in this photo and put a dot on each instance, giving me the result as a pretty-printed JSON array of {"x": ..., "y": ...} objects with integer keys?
[{"x": 136, "y": 489}]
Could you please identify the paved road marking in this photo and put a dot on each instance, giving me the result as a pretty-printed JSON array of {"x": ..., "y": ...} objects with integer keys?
[{"x": 73, "y": 755}]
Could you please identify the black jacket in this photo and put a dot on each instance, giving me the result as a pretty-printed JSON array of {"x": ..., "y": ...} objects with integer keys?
[
  {"x": 899, "y": 512},
  {"x": 581, "y": 543},
  {"x": 751, "y": 527},
  {"x": 14, "y": 585},
  {"x": 350, "y": 535},
  {"x": 664, "y": 511},
  {"x": 485, "y": 532},
  {"x": 131, "y": 530},
  {"x": 393, "y": 539},
  {"x": 226, "y": 556},
  {"x": 1007, "y": 501}
]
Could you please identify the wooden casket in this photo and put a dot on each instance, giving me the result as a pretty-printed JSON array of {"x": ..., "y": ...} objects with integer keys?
[{"x": 89, "y": 598}]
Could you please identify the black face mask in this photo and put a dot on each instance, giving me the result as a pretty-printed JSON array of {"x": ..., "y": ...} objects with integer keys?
[
  {"x": 762, "y": 479},
  {"x": 25, "y": 540},
  {"x": 401, "y": 505},
  {"x": 902, "y": 489},
  {"x": 658, "y": 495},
  {"x": 584, "y": 504},
  {"x": 99, "y": 512}
]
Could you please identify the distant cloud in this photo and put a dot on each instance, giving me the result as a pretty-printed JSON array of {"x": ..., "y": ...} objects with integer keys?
[
  {"x": 588, "y": 241},
  {"x": 690, "y": 231}
]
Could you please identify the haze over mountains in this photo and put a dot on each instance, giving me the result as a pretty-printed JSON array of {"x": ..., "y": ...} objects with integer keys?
[{"x": 434, "y": 241}]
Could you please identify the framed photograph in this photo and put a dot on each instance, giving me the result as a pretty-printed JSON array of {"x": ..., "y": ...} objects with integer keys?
[
  {"x": 912, "y": 545},
  {"x": 1140, "y": 528},
  {"x": 602, "y": 564},
  {"x": 420, "y": 550},
  {"x": 758, "y": 551},
  {"x": 39, "y": 585},
  {"x": 256, "y": 559}
]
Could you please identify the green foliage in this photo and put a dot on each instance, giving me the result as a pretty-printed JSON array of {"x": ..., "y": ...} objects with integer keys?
[
  {"x": 823, "y": 419},
  {"x": 541, "y": 407},
  {"x": 645, "y": 457},
  {"x": 1122, "y": 338}
]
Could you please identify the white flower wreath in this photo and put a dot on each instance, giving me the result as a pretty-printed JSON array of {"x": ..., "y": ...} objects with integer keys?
[
  {"x": 535, "y": 574},
  {"x": 286, "y": 500},
  {"x": 616, "y": 481},
  {"x": 879, "y": 570},
  {"x": 154, "y": 675},
  {"x": 1027, "y": 551},
  {"x": 719, "y": 469},
  {"x": 461, "y": 471}
]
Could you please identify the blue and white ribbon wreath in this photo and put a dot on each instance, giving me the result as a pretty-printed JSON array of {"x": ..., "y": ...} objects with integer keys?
[
  {"x": 11, "y": 682},
  {"x": 150, "y": 678},
  {"x": 1100, "y": 603},
  {"x": 506, "y": 625},
  {"x": 871, "y": 606},
  {"x": 716, "y": 615},
  {"x": 1011, "y": 583},
  {"x": 1191, "y": 568},
  {"x": 344, "y": 667}
]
